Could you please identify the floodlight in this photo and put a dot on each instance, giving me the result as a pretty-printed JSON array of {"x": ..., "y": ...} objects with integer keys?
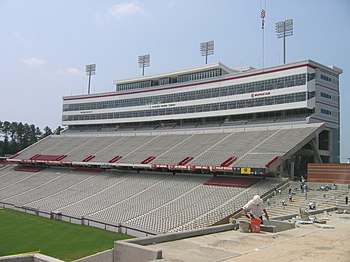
[
  {"x": 90, "y": 70},
  {"x": 144, "y": 61},
  {"x": 207, "y": 48},
  {"x": 284, "y": 29}
]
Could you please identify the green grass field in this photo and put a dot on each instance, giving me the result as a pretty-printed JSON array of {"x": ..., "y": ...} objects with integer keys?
[{"x": 20, "y": 233}]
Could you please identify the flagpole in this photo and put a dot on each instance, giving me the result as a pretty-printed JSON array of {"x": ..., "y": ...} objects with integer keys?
[
  {"x": 263, "y": 47},
  {"x": 262, "y": 14}
]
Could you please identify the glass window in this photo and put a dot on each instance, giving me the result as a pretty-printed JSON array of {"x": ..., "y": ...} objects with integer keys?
[
  {"x": 325, "y": 95},
  {"x": 325, "y": 111}
]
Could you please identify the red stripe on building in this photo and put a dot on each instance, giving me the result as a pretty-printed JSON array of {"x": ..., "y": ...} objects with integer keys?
[
  {"x": 323, "y": 120},
  {"x": 320, "y": 102},
  {"x": 330, "y": 88}
]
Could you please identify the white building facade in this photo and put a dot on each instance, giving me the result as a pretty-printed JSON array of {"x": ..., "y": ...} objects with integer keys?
[{"x": 304, "y": 91}]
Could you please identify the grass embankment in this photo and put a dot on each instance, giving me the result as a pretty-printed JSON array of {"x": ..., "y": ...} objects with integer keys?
[{"x": 20, "y": 233}]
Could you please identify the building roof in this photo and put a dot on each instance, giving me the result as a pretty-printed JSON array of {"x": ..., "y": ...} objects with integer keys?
[{"x": 211, "y": 66}]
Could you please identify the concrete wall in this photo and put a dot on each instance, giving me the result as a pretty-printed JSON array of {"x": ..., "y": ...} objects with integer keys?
[
  {"x": 43, "y": 258},
  {"x": 127, "y": 252},
  {"x": 105, "y": 256},
  {"x": 181, "y": 235},
  {"x": 30, "y": 258},
  {"x": 279, "y": 225},
  {"x": 25, "y": 258},
  {"x": 136, "y": 250}
]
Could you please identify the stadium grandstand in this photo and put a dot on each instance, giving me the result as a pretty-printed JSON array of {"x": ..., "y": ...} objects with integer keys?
[{"x": 180, "y": 150}]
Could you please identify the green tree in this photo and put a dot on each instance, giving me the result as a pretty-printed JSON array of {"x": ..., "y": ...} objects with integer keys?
[
  {"x": 15, "y": 136},
  {"x": 47, "y": 132},
  {"x": 32, "y": 135},
  {"x": 58, "y": 130},
  {"x": 38, "y": 133}
]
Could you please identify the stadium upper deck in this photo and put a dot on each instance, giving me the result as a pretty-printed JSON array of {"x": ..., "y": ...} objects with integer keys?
[
  {"x": 215, "y": 95},
  {"x": 240, "y": 150}
]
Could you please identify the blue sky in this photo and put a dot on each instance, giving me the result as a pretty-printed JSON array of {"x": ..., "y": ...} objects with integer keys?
[{"x": 45, "y": 45}]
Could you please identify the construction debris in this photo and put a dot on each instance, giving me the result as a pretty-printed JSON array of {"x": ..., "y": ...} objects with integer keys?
[
  {"x": 324, "y": 226},
  {"x": 301, "y": 222}
]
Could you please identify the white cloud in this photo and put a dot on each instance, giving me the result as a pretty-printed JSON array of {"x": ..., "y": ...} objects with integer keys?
[
  {"x": 73, "y": 71},
  {"x": 33, "y": 61},
  {"x": 126, "y": 9},
  {"x": 70, "y": 71},
  {"x": 122, "y": 10}
]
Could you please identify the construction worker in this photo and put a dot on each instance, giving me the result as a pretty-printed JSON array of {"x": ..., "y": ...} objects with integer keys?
[{"x": 255, "y": 208}]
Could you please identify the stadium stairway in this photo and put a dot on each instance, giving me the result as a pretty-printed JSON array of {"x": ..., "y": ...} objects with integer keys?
[{"x": 323, "y": 199}]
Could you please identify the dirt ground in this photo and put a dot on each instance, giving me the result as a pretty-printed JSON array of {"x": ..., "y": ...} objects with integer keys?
[{"x": 304, "y": 243}]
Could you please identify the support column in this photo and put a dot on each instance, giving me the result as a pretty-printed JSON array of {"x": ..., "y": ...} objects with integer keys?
[
  {"x": 317, "y": 156},
  {"x": 291, "y": 174}
]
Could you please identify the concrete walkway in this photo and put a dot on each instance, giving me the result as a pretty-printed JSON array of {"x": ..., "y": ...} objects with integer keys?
[{"x": 304, "y": 243}]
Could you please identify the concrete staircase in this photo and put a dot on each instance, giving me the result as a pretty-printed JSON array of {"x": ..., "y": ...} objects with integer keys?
[{"x": 323, "y": 199}]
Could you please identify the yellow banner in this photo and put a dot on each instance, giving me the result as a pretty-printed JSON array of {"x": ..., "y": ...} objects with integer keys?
[{"x": 245, "y": 170}]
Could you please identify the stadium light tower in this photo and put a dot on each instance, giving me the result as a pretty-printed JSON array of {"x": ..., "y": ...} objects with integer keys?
[
  {"x": 284, "y": 29},
  {"x": 207, "y": 48},
  {"x": 90, "y": 70},
  {"x": 144, "y": 61}
]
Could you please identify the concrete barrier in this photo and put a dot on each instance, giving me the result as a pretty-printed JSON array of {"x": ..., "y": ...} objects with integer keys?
[
  {"x": 105, "y": 256},
  {"x": 181, "y": 235},
  {"x": 136, "y": 250},
  {"x": 30, "y": 258},
  {"x": 127, "y": 252},
  {"x": 244, "y": 226},
  {"x": 271, "y": 226},
  {"x": 277, "y": 226},
  {"x": 19, "y": 258}
]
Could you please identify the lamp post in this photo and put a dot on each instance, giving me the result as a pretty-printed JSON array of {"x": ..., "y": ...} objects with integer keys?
[
  {"x": 207, "y": 48},
  {"x": 144, "y": 61},
  {"x": 284, "y": 29},
  {"x": 90, "y": 70}
]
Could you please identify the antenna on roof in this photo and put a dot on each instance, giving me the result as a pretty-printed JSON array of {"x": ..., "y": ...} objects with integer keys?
[
  {"x": 207, "y": 48},
  {"x": 144, "y": 61},
  {"x": 284, "y": 29},
  {"x": 90, "y": 70}
]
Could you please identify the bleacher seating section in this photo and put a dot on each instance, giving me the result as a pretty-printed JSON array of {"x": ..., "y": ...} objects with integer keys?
[
  {"x": 158, "y": 202},
  {"x": 251, "y": 147}
]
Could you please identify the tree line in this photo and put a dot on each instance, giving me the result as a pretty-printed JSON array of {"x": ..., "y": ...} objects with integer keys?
[{"x": 16, "y": 136}]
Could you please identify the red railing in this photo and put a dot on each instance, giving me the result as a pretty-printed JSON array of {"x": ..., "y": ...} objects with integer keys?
[
  {"x": 272, "y": 162},
  {"x": 185, "y": 160},
  {"x": 40, "y": 157},
  {"x": 34, "y": 157},
  {"x": 115, "y": 159},
  {"x": 148, "y": 159},
  {"x": 229, "y": 161},
  {"x": 29, "y": 169},
  {"x": 13, "y": 156},
  {"x": 87, "y": 159}
]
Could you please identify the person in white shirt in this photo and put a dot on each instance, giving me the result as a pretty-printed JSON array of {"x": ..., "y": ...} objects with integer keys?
[{"x": 255, "y": 208}]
